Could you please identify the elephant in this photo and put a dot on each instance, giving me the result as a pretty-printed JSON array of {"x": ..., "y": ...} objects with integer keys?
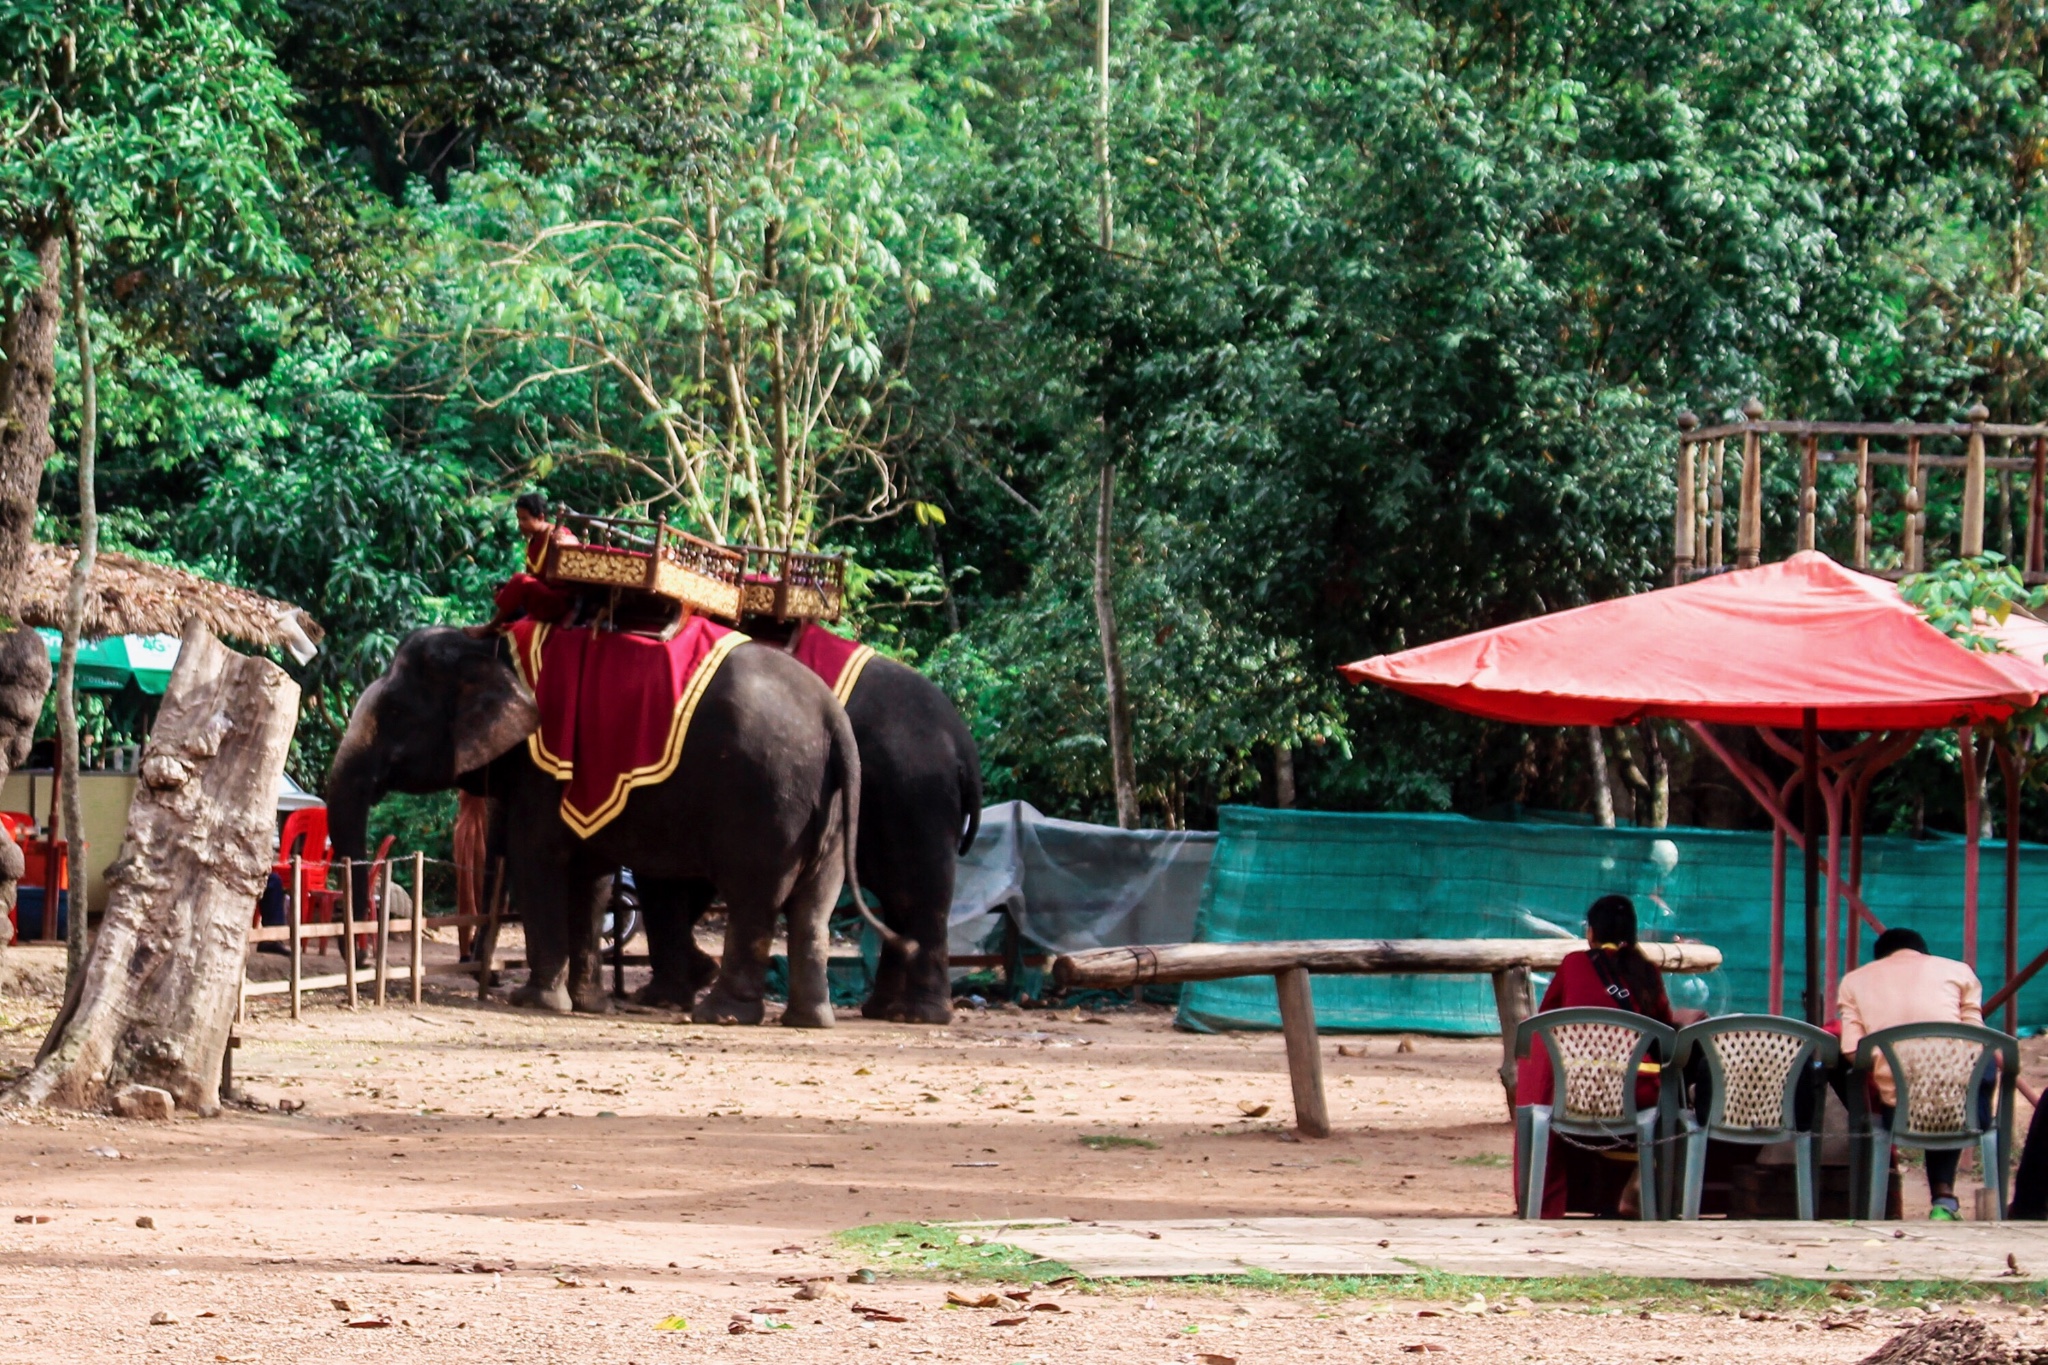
[
  {"x": 920, "y": 809},
  {"x": 764, "y": 803}
]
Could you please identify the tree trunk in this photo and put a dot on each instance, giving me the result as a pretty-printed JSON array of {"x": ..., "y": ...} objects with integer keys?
[
  {"x": 1660, "y": 777},
  {"x": 74, "y": 619},
  {"x": 155, "y": 1001},
  {"x": 1283, "y": 776},
  {"x": 1603, "y": 782},
  {"x": 28, "y": 383},
  {"x": 1123, "y": 767}
]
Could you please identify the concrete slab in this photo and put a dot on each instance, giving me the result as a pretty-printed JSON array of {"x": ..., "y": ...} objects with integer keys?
[{"x": 1727, "y": 1252}]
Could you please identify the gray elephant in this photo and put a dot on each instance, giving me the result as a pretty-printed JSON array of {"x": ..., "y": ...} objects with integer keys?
[
  {"x": 763, "y": 803},
  {"x": 921, "y": 808}
]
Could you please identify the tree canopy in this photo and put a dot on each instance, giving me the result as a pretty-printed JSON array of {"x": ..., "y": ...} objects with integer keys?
[{"x": 1402, "y": 300}]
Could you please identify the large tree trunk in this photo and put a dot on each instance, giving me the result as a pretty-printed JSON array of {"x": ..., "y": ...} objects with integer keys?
[
  {"x": 1123, "y": 768},
  {"x": 28, "y": 383},
  {"x": 158, "y": 992}
]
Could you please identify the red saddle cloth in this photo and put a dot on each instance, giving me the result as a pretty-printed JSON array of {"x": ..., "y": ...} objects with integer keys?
[
  {"x": 614, "y": 708},
  {"x": 834, "y": 658}
]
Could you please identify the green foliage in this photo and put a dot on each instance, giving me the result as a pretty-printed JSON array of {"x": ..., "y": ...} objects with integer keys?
[
  {"x": 420, "y": 89},
  {"x": 1961, "y": 596},
  {"x": 1402, "y": 302},
  {"x": 158, "y": 126},
  {"x": 723, "y": 338}
]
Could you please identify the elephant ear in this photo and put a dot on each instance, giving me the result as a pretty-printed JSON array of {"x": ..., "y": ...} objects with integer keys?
[{"x": 494, "y": 712}]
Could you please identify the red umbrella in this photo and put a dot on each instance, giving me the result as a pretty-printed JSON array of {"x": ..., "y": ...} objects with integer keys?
[
  {"x": 1801, "y": 643},
  {"x": 1762, "y": 646}
]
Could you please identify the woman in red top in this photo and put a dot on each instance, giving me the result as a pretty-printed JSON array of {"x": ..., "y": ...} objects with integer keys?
[{"x": 1610, "y": 973}]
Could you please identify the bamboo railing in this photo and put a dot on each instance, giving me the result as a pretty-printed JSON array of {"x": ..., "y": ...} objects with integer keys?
[{"x": 1954, "y": 463}]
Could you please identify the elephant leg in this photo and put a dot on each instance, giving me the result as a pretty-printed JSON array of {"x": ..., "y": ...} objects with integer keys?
[
  {"x": 538, "y": 870},
  {"x": 669, "y": 911},
  {"x": 586, "y": 897},
  {"x": 916, "y": 899},
  {"x": 736, "y": 993},
  {"x": 809, "y": 910}
]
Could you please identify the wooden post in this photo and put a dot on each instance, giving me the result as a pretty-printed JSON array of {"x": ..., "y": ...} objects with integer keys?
[
  {"x": 1304, "y": 1053},
  {"x": 1916, "y": 498},
  {"x": 1515, "y": 997},
  {"x": 1682, "y": 524},
  {"x": 155, "y": 1001},
  {"x": 1973, "y": 485},
  {"x": 1860, "y": 556},
  {"x": 1749, "y": 513},
  {"x": 348, "y": 927},
  {"x": 419, "y": 921},
  {"x": 383, "y": 870},
  {"x": 298, "y": 900},
  {"x": 1717, "y": 495},
  {"x": 2037, "y": 493},
  {"x": 1809, "y": 494}
]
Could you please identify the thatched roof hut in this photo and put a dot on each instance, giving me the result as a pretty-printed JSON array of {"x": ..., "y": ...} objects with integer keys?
[{"x": 129, "y": 596}]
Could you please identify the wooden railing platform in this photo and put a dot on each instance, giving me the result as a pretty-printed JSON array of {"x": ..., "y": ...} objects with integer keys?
[{"x": 1845, "y": 514}]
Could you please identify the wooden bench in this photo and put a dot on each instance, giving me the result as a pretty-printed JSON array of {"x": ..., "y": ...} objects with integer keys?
[{"x": 1507, "y": 960}]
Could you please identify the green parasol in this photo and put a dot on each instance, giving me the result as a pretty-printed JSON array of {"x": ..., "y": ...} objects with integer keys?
[{"x": 111, "y": 664}]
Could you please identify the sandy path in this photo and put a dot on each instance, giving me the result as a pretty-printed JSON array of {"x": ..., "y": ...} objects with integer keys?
[{"x": 673, "y": 1161}]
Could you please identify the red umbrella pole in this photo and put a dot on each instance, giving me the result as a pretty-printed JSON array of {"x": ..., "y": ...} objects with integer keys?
[{"x": 1816, "y": 1006}]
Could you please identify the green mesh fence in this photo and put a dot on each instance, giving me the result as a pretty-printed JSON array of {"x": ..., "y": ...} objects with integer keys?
[{"x": 1294, "y": 874}]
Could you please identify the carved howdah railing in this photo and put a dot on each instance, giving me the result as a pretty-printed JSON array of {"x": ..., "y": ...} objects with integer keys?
[{"x": 1863, "y": 492}]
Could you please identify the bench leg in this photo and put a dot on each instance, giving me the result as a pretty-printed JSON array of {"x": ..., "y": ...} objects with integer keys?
[
  {"x": 1304, "y": 1053},
  {"x": 1515, "y": 998}
]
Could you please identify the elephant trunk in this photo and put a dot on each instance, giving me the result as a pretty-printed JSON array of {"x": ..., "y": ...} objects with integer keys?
[{"x": 354, "y": 784}]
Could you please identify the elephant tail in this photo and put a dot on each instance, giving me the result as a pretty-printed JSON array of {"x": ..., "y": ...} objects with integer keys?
[
  {"x": 846, "y": 765},
  {"x": 970, "y": 800}
]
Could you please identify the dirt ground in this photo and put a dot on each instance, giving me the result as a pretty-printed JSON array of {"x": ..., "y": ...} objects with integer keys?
[{"x": 466, "y": 1182}]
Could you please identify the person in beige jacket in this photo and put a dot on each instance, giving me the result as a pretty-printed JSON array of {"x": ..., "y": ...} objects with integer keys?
[{"x": 1905, "y": 984}]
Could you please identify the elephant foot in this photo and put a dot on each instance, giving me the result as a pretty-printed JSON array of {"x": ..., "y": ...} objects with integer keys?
[
  {"x": 660, "y": 993},
  {"x": 808, "y": 1016},
  {"x": 554, "y": 999},
  {"x": 723, "y": 1009},
  {"x": 910, "y": 1011},
  {"x": 596, "y": 1001}
]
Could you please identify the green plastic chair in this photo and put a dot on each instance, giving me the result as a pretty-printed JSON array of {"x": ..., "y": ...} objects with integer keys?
[
  {"x": 1937, "y": 1070},
  {"x": 1595, "y": 1056},
  {"x": 1756, "y": 1064}
]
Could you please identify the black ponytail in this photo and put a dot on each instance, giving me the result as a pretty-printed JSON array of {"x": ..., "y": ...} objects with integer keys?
[{"x": 1633, "y": 981}]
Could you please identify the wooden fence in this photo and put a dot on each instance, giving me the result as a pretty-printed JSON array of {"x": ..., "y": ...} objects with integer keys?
[
  {"x": 383, "y": 926},
  {"x": 1849, "y": 509}
]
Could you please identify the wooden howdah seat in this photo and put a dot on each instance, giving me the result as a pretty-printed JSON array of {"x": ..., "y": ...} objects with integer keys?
[
  {"x": 793, "y": 585},
  {"x": 644, "y": 576},
  {"x": 632, "y": 574}
]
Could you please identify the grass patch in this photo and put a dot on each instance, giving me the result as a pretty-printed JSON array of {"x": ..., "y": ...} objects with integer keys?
[
  {"x": 1482, "y": 1159},
  {"x": 1110, "y": 1142},
  {"x": 1613, "y": 1293},
  {"x": 930, "y": 1251}
]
